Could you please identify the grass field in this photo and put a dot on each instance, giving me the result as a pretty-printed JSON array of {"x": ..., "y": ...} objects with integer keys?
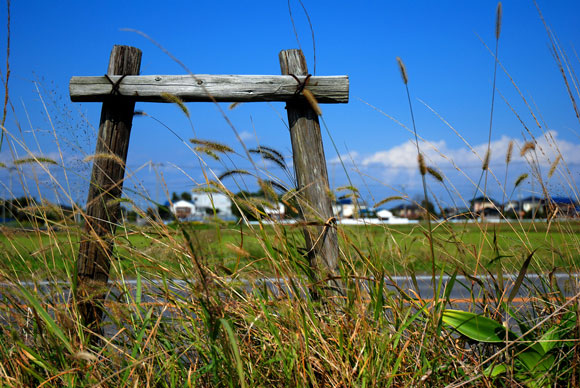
[
  {"x": 322, "y": 325},
  {"x": 395, "y": 249}
]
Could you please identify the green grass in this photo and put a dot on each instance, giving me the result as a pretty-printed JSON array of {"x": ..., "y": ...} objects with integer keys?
[
  {"x": 210, "y": 330},
  {"x": 395, "y": 249}
]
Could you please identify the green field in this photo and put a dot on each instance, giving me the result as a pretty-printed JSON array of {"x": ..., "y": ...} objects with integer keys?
[{"x": 229, "y": 249}]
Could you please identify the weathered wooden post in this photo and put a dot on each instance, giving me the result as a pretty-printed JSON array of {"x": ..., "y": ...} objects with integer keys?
[
  {"x": 312, "y": 178},
  {"x": 102, "y": 212},
  {"x": 121, "y": 88}
]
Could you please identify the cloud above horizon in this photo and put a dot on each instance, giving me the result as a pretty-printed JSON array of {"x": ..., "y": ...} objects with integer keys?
[
  {"x": 439, "y": 154},
  {"x": 462, "y": 165}
]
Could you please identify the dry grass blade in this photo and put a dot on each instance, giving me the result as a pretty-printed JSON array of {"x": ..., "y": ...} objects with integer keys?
[
  {"x": 312, "y": 101},
  {"x": 234, "y": 105}
]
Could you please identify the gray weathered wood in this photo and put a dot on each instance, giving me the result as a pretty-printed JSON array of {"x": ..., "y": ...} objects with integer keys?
[
  {"x": 102, "y": 212},
  {"x": 222, "y": 88},
  {"x": 312, "y": 178}
]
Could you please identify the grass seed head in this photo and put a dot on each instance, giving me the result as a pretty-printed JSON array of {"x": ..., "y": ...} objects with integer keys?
[
  {"x": 554, "y": 166},
  {"x": 485, "y": 164},
  {"x": 104, "y": 156},
  {"x": 233, "y": 172},
  {"x": 510, "y": 150},
  {"x": 212, "y": 145},
  {"x": 530, "y": 145},
  {"x": 435, "y": 173},
  {"x": 177, "y": 101},
  {"x": 38, "y": 159},
  {"x": 520, "y": 179},
  {"x": 403, "y": 70},
  {"x": 388, "y": 199},
  {"x": 498, "y": 20},
  {"x": 422, "y": 166}
]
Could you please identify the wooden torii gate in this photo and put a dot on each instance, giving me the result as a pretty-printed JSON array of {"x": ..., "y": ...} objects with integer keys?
[{"x": 122, "y": 87}]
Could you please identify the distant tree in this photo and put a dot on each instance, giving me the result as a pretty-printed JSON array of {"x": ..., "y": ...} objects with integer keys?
[
  {"x": 131, "y": 216},
  {"x": 186, "y": 196},
  {"x": 174, "y": 197},
  {"x": 164, "y": 212},
  {"x": 242, "y": 201},
  {"x": 428, "y": 205}
]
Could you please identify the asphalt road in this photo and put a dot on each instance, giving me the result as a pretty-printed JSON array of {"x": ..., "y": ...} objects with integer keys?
[{"x": 464, "y": 288}]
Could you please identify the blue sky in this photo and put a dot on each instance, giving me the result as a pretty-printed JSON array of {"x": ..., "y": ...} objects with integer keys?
[{"x": 441, "y": 43}]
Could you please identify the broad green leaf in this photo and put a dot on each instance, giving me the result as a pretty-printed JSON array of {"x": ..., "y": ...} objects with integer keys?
[
  {"x": 476, "y": 327},
  {"x": 534, "y": 361},
  {"x": 555, "y": 335}
]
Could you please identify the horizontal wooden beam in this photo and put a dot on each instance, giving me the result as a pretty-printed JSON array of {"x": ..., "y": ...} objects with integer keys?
[{"x": 199, "y": 88}]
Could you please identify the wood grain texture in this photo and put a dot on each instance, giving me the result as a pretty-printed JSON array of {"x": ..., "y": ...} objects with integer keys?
[
  {"x": 312, "y": 177},
  {"x": 200, "y": 88},
  {"x": 102, "y": 210}
]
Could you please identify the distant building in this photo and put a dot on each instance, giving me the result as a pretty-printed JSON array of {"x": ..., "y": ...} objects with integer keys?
[
  {"x": 563, "y": 207},
  {"x": 513, "y": 209},
  {"x": 276, "y": 213},
  {"x": 384, "y": 214},
  {"x": 411, "y": 211},
  {"x": 344, "y": 208},
  {"x": 183, "y": 210},
  {"x": 533, "y": 204},
  {"x": 479, "y": 204},
  {"x": 208, "y": 203},
  {"x": 456, "y": 212}
]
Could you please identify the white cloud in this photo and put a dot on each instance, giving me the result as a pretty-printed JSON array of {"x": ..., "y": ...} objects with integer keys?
[
  {"x": 245, "y": 136},
  {"x": 346, "y": 158},
  {"x": 439, "y": 154}
]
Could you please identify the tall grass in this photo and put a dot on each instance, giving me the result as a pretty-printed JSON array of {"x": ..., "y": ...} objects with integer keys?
[{"x": 225, "y": 304}]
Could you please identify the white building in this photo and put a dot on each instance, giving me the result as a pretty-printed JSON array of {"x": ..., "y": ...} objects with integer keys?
[
  {"x": 183, "y": 209},
  {"x": 276, "y": 212},
  {"x": 205, "y": 204}
]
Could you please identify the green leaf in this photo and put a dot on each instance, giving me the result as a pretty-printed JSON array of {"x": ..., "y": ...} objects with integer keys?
[
  {"x": 494, "y": 371},
  {"x": 51, "y": 325},
  {"x": 555, "y": 335},
  {"x": 534, "y": 361},
  {"x": 476, "y": 327},
  {"x": 236, "y": 351},
  {"x": 520, "y": 278}
]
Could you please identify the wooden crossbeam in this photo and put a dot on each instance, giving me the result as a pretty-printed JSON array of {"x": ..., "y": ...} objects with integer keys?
[{"x": 202, "y": 87}]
